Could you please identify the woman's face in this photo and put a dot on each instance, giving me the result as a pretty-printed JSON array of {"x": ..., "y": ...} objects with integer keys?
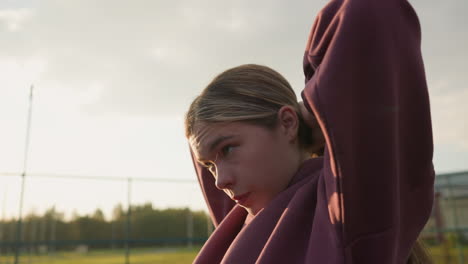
[{"x": 250, "y": 163}]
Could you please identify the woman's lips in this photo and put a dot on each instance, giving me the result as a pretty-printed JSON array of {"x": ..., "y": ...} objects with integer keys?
[{"x": 241, "y": 199}]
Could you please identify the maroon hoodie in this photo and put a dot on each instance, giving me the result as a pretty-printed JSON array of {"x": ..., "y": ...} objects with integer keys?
[{"x": 368, "y": 198}]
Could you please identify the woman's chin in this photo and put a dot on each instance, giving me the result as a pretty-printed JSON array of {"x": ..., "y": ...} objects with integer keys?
[{"x": 251, "y": 210}]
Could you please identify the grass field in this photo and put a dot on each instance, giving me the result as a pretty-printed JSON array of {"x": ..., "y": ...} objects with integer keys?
[
  {"x": 451, "y": 255},
  {"x": 175, "y": 256},
  {"x": 137, "y": 256}
]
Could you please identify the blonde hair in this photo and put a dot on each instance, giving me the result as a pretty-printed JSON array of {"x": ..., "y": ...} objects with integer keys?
[{"x": 248, "y": 93}]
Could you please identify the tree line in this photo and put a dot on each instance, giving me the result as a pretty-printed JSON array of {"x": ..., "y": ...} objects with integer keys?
[{"x": 142, "y": 226}]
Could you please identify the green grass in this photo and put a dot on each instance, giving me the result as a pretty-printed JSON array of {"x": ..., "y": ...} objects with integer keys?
[
  {"x": 178, "y": 255},
  {"x": 448, "y": 255},
  {"x": 137, "y": 256}
]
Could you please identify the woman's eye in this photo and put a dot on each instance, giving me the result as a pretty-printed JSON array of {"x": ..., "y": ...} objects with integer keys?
[{"x": 227, "y": 149}]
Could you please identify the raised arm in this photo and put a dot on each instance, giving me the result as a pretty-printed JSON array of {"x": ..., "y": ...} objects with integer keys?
[{"x": 366, "y": 85}]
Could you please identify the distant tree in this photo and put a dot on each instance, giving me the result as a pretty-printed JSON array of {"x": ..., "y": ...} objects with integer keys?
[
  {"x": 118, "y": 212},
  {"x": 147, "y": 223},
  {"x": 98, "y": 215}
]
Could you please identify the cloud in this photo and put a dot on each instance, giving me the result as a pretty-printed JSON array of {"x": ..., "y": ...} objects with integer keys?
[
  {"x": 152, "y": 59},
  {"x": 449, "y": 115},
  {"x": 444, "y": 41},
  {"x": 148, "y": 59},
  {"x": 12, "y": 19}
]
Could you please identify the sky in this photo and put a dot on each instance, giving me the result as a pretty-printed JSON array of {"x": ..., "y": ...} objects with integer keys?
[{"x": 113, "y": 80}]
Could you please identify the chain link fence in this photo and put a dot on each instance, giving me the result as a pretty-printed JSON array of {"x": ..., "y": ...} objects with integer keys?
[{"x": 446, "y": 233}]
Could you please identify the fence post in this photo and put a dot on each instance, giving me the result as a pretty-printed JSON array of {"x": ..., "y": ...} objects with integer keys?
[
  {"x": 455, "y": 223},
  {"x": 52, "y": 232},
  {"x": 128, "y": 229},
  {"x": 209, "y": 225},
  {"x": 2, "y": 226},
  {"x": 189, "y": 229},
  {"x": 23, "y": 178}
]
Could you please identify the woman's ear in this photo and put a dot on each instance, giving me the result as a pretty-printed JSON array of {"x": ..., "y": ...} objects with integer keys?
[{"x": 288, "y": 122}]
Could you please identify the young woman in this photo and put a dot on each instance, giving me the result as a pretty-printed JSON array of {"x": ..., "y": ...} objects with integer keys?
[{"x": 368, "y": 193}]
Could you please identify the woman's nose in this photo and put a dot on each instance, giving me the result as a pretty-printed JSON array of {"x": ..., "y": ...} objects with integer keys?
[{"x": 224, "y": 179}]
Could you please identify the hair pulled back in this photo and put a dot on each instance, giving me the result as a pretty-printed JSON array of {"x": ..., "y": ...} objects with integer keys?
[{"x": 247, "y": 93}]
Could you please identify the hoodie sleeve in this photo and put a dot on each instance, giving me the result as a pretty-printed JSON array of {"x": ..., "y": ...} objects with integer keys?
[{"x": 366, "y": 85}]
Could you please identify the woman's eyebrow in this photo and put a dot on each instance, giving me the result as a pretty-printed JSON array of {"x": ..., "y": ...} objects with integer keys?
[{"x": 215, "y": 143}]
